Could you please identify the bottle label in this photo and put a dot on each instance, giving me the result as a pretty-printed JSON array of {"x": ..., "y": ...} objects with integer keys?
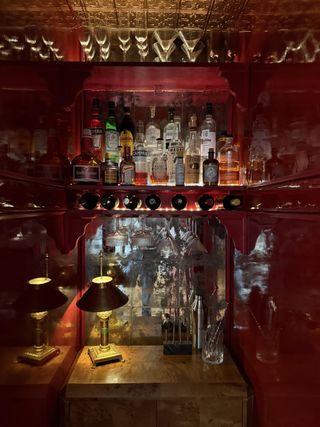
[
  {"x": 112, "y": 141},
  {"x": 152, "y": 134},
  {"x": 179, "y": 172},
  {"x": 192, "y": 169},
  {"x": 208, "y": 141},
  {"x": 140, "y": 159},
  {"x": 86, "y": 173},
  {"x": 210, "y": 174},
  {"x": 97, "y": 138},
  {"x": 110, "y": 176},
  {"x": 127, "y": 175},
  {"x": 159, "y": 169},
  {"x": 126, "y": 140}
]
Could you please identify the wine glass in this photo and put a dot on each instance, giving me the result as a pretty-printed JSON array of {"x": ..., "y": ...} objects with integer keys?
[
  {"x": 118, "y": 237},
  {"x": 190, "y": 37},
  {"x": 163, "y": 56},
  {"x": 125, "y": 41},
  {"x": 193, "y": 55},
  {"x": 143, "y": 238},
  {"x": 165, "y": 38},
  {"x": 47, "y": 35}
]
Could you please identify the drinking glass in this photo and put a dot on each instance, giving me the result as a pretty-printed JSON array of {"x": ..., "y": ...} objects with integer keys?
[
  {"x": 124, "y": 38},
  {"x": 193, "y": 54},
  {"x": 85, "y": 36},
  {"x": 190, "y": 37},
  {"x": 47, "y": 35},
  {"x": 212, "y": 346},
  {"x": 143, "y": 238},
  {"x": 165, "y": 38},
  {"x": 31, "y": 34},
  {"x": 163, "y": 56},
  {"x": 118, "y": 237}
]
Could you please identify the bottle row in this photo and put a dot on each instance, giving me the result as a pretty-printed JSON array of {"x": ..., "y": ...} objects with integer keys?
[{"x": 91, "y": 200}]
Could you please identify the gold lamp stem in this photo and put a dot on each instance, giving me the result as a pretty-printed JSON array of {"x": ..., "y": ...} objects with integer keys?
[
  {"x": 101, "y": 260},
  {"x": 46, "y": 265},
  {"x": 104, "y": 333}
]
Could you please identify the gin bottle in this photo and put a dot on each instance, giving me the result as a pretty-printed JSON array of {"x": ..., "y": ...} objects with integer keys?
[
  {"x": 208, "y": 133},
  {"x": 229, "y": 163},
  {"x": 112, "y": 134},
  {"x": 159, "y": 173},
  {"x": 152, "y": 132},
  {"x": 192, "y": 157}
]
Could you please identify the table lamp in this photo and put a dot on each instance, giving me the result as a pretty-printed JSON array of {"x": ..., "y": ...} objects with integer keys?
[
  {"x": 102, "y": 297},
  {"x": 38, "y": 298}
]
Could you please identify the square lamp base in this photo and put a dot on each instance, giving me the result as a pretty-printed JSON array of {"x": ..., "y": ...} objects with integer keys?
[
  {"x": 99, "y": 356},
  {"x": 37, "y": 357}
]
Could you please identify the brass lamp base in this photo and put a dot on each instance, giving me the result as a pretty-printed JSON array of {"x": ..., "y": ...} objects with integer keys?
[
  {"x": 38, "y": 356},
  {"x": 100, "y": 355}
]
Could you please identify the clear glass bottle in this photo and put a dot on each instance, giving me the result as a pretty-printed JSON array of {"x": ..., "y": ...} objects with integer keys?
[
  {"x": 127, "y": 168},
  {"x": 159, "y": 172},
  {"x": 97, "y": 131},
  {"x": 229, "y": 166},
  {"x": 112, "y": 134},
  {"x": 208, "y": 133},
  {"x": 192, "y": 155},
  {"x": 210, "y": 169},
  {"x": 274, "y": 166},
  {"x": 127, "y": 132},
  {"x": 260, "y": 148},
  {"x": 140, "y": 157},
  {"x": 169, "y": 129},
  {"x": 85, "y": 166},
  {"x": 152, "y": 131},
  {"x": 175, "y": 146}
]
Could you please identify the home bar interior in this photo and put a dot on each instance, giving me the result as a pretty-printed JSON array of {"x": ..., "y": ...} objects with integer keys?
[{"x": 159, "y": 213}]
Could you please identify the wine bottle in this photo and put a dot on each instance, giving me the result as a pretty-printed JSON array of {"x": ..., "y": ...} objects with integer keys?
[
  {"x": 205, "y": 202},
  {"x": 231, "y": 202},
  {"x": 179, "y": 202},
  {"x": 153, "y": 202},
  {"x": 131, "y": 201},
  {"x": 89, "y": 200},
  {"x": 109, "y": 201}
]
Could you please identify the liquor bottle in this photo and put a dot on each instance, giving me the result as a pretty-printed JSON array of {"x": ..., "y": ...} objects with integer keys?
[
  {"x": 274, "y": 166},
  {"x": 85, "y": 166},
  {"x": 210, "y": 169},
  {"x": 52, "y": 165},
  {"x": 127, "y": 132},
  {"x": 89, "y": 200},
  {"x": 197, "y": 322},
  {"x": 260, "y": 148},
  {"x": 231, "y": 202},
  {"x": 205, "y": 202},
  {"x": 152, "y": 131},
  {"x": 229, "y": 169},
  {"x": 131, "y": 201},
  {"x": 153, "y": 202},
  {"x": 192, "y": 156},
  {"x": 112, "y": 134},
  {"x": 175, "y": 146},
  {"x": 159, "y": 172},
  {"x": 179, "y": 169},
  {"x": 179, "y": 202},
  {"x": 127, "y": 168},
  {"x": 140, "y": 157},
  {"x": 109, "y": 201},
  {"x": 208, "y": 133},
  {"x": 169, "y": 129},
  {"x": 39, "y": 139},
  {"x": 97, "y": 131},
  {"x": 109, "y": 171}
]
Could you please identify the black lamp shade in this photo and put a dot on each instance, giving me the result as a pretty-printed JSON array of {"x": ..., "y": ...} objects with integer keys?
[
  {"x": 39, "y": 295},
  {"x": 102, "y": 295}
]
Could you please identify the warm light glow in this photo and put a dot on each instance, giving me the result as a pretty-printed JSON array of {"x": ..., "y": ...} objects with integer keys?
[
  {"x": 39, "y": 281},
  {"x": 102, "y": 279}
]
